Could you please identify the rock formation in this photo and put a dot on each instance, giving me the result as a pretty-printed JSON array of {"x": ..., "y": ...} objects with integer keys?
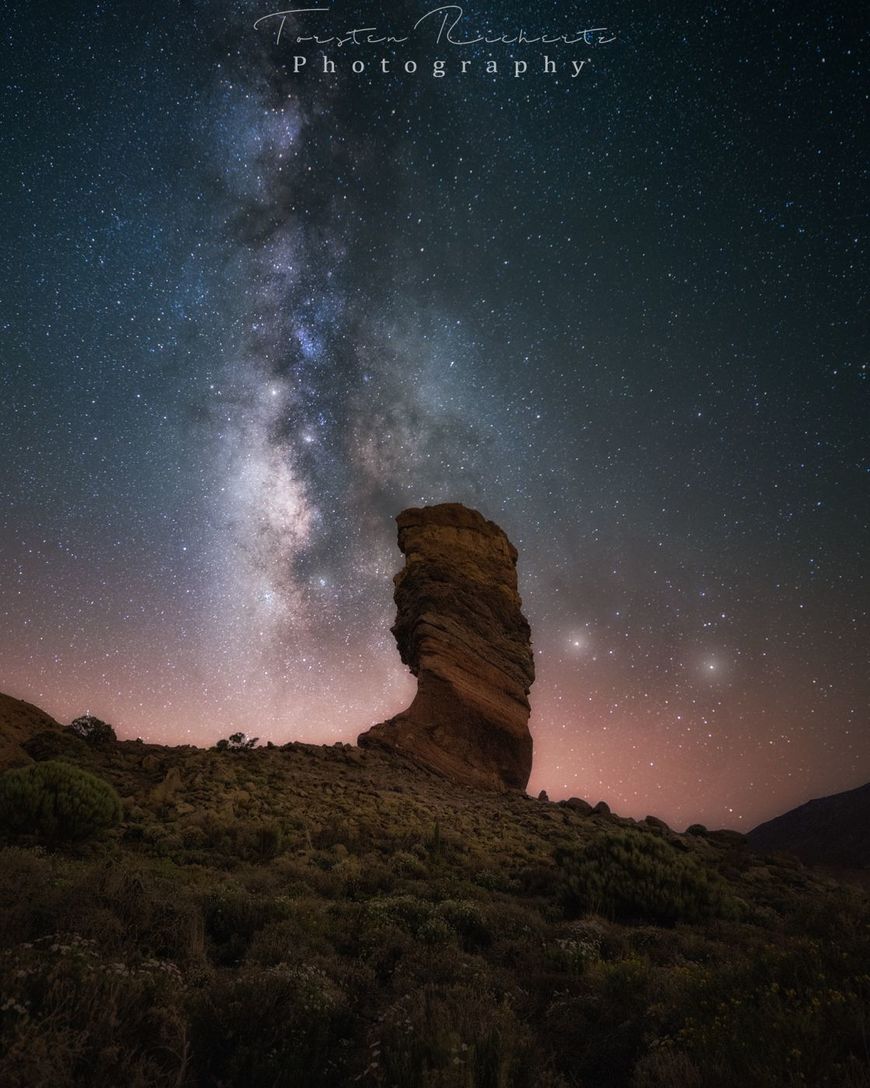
[{"x": 460, "y": 630}]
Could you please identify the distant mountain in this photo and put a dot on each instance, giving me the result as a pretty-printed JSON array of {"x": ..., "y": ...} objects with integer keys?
[{"x": 827, "y": 831}]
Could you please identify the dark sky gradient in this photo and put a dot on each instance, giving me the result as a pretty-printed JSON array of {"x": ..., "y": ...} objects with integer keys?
[{"x": 248, "y": 316}]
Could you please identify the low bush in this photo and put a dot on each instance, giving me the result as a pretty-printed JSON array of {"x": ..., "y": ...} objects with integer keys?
[
  {"x": 237, "y": 742},
  {"x": 453, "y": 1036},
  {"x": 276, "y": 1027},
  {"x": 232, "y": 917},
  {"x": 56, "y": 801},
  {"x": 629, "y": 875},
  {"x": 66, "y": 1007}
]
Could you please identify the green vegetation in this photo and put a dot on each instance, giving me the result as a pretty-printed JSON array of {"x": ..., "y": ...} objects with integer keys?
[
  {"x": 93, "y": 730},
  {"x": 633, "y": 875},
  {"x": 56, "y": 801},
  {"x": 236, "y": 742},
  {"x": 327, "y": 917}
]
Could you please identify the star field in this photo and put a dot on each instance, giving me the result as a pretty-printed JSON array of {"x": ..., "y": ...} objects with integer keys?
[{"x": 250, "y": 314}]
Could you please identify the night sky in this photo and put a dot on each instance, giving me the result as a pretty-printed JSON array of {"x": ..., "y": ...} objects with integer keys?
[{"x": 250, "y": 315}]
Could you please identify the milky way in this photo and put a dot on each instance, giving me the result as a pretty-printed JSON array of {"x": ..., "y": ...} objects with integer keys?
[{"x": 252, "y": 313}]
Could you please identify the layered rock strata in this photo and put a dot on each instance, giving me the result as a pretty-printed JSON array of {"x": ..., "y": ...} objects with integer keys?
[{"x": 460, "y": 629}]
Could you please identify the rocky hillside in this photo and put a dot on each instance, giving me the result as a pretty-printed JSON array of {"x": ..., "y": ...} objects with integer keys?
[
  {"x": 305, "y": 916},
  {"x": 832, "y": 831},
  {"x": 18, "y": 722}
]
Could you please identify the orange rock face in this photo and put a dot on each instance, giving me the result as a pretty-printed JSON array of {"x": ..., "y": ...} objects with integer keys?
[{"x": 460, "y": 629}]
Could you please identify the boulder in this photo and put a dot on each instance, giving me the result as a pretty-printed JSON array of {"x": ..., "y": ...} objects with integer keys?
[
  {"x": 460, "y": 629},
  {"x": 579, "y": 805}
]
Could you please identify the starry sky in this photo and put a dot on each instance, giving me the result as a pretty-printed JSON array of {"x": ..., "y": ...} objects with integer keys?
[{"x": 249, "y": 314}]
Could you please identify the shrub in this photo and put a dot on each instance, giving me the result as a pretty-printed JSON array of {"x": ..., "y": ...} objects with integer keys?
[
  {"x": 56, "y": 801},
  {"x": 405, "y": 911},
  {"x": 465, "y": 917},
  {"x": 436, "y": 931},
  {"x": 407, "y": 864},
  {"x": 278, "y": 1027},
  {"x": 93, "y": 730},
  {"x": 70, "y": 1016},
  {"x": 453, "y": 1036},
  {"x": 28, "y": 878},
  {"x": 232, "y": 916},
  {"x": 53, "y": 744},
  {"x": 635, "y": 875},
  {"x": 263, "y": 840},
  {"x": 237, "y": 742}
]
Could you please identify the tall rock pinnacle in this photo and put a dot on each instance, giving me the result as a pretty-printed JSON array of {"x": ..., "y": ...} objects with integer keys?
[{"x": 460, "y": 630}]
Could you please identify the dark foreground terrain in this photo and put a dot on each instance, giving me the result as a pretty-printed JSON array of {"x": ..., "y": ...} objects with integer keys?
[{"x": 329, "y": 916}]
